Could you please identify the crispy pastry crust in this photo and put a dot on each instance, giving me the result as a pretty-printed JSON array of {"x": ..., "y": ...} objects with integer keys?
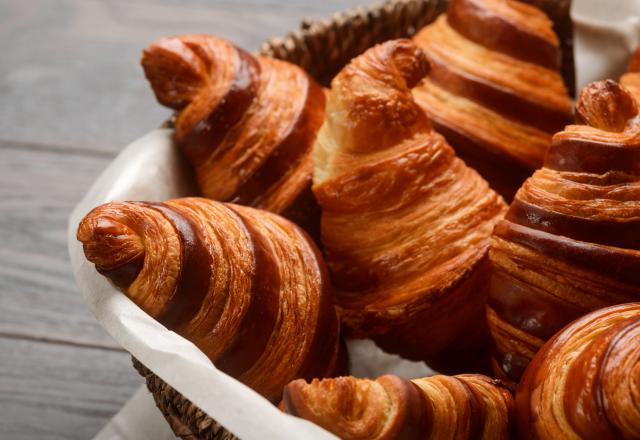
[
  {"x": 246, "y": 124},
  {"x": 495, "y": 90},
  {"x": 461, "y": 407},
  {"x": 405, "y": 224},
  {"x": 247, "y": 287},
  {"x": 570, "y": 242},
  {"x": 585, "y": 382}
]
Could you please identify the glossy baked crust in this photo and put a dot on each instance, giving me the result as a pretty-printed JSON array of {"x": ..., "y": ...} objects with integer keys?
[
  {"x": 246, "y": 123},
  {"x": 495, "y": 90},
  {"x": 460, "y": 407},
  {"x": 246, "y": 286},
  {"x": 631, "y": 79},
  {"x": 585, "y": 382},
  {"x": 570, "y": 242},
  {"x": 405, "y": 224}
]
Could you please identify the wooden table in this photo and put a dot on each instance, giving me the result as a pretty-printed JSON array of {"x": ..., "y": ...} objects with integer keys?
[{"x": 72, "y": 95}]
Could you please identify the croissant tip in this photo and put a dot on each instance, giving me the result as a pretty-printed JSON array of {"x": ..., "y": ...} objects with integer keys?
[
  {"x": 107, "y": 242},
  {"x": 606, "y": 105},
  {"x": 170, "y": 44},
  {"x": 409, "y": 59},
  {"x": 176, "y": 73},
  {"x": 321, "y": 386}
]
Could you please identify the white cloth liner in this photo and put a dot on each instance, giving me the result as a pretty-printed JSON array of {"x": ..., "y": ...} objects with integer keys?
[
  {"x": 606, "y": 32},
  {"x": 151, "y": 169}
]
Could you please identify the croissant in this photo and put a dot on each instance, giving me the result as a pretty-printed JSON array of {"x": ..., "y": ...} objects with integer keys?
[
  {"x": 570, "y": 242},
  {"x": 246, "y": 286},
  {"x": 631, "y": 79},
  {"x": 405, "y": 224},
  {"x": 584, "y": 382},
  {"x": 246, "y": 124},
  {"x": 495, "y": 90},
  {"x": 468, "y": 406}
]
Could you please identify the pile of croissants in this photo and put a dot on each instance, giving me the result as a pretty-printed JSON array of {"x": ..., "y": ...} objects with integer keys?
[{"x": 378, "y": 208}]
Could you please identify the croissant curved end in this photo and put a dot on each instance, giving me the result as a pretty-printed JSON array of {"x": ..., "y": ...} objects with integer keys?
[
  {"x": 175, "y": 71},
  {"x": 378, "y": 84},
  {"x": 370, "y": 107},
  {"x": 342, "y": 395},
  {"x": 114, "y": 238},
  {"x": 409, "y": 60},
  {"x": 606, "y": 105},
  {"x": 606, "y": 135},
  {"x": 353, "y": 408},
  {"x": 108, "y": 241}
]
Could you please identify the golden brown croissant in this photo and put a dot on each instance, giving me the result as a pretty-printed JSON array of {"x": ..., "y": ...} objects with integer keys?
[
  {"x": 246, "y": 124},
  {"x": 468, "y": 406},
  {"x": 631, "y": 79},
  {"x": 405, "y": 224},
  {"x": 585, "y": 382},
  {"x": 245, "y": 286},
  {"x": 570, "y": 242},
  {"x": 494, "y": 90}
]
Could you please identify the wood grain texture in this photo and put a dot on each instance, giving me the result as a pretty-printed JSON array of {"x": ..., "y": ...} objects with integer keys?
[
  {"x": 60, "y": 392},
  {"x": 73, "y": 95},
  {"x": 71, "y": 69},
  {"x": 38, "y": 189}
]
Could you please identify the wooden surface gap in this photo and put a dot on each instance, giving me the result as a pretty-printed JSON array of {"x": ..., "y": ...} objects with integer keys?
[
  {"x": 70, "y": 342},
  {"x": 6, "y": 144}
]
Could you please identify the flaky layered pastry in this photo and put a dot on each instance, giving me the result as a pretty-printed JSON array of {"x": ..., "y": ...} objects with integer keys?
[
  {"x": 495, "y": 90},
  {"x": 631, "y": 79},
  {"x": 246, "y": 286},
  {"x": 570, "y": 242},
  {"x": 246, "y": 123},
  {"x": 585, "y": 382},
  {"x": 405, "y": 224},
  {"x": 468, "y": 406}
]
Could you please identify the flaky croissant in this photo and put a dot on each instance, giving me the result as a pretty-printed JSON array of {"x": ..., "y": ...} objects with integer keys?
[
  {"x": 570, "y": 242},
  {"x": 468, "y": 406},
  {"x": 245, "y": 286},
  {"x": 246, "y": 123},
  {"x": 631, "y": 79},
  {"x": 585, "y": 382},
  {"x": 405, "y": 224},
  {"x": 495, "y": 90}
]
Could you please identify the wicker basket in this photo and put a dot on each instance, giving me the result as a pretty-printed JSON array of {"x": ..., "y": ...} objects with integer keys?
[{"x": 322, "y": 48}]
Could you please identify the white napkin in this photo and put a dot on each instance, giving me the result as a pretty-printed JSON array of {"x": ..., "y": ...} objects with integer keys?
[{"x": 606, "y": 32}]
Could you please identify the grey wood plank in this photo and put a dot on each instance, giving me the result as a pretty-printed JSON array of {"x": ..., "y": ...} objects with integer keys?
[
  {"x": 305, "y": 6},
  {"x": 38, "y": 189},
  {"x": 70, "y": 71},
  {"x": 58, "y": 392}
]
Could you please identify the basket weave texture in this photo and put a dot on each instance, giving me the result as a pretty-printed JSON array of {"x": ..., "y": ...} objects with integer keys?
[{"x": 322, "y": 48}]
